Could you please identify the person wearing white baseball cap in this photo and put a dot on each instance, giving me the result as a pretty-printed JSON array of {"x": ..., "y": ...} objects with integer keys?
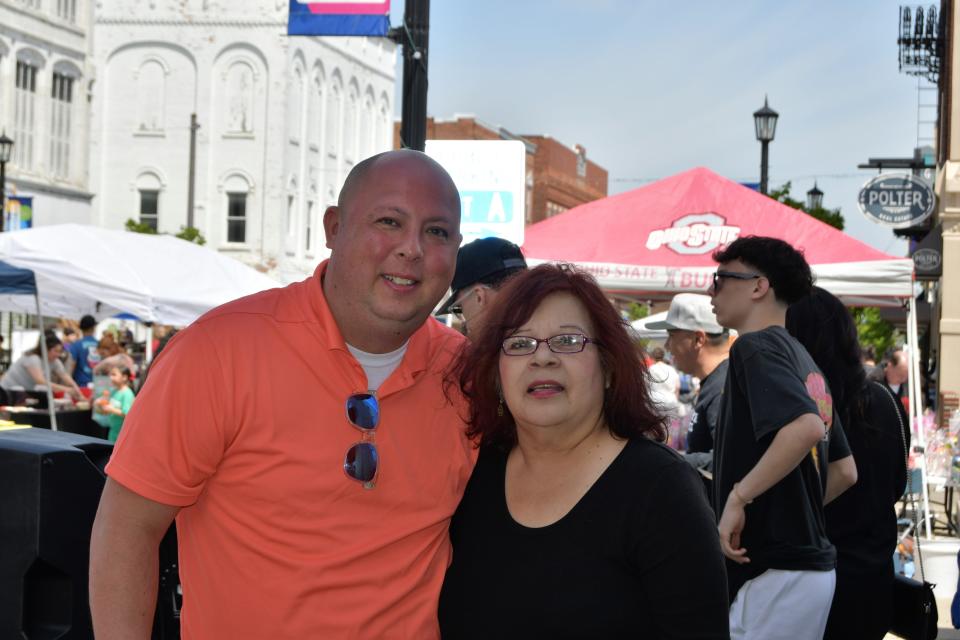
[{"x": 700, "y": 347}]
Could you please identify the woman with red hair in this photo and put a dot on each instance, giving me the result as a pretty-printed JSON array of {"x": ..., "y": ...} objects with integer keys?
[{"x": 577, "y": 522}]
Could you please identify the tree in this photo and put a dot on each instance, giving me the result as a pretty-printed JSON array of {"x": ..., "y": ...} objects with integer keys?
[
  {"x": 832, "y": 217},
  {"x": 190, "y": 234},
  {"x": 874, "y": 331}
]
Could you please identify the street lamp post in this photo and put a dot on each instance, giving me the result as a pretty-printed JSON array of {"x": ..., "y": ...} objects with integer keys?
[
  {"x": 765, "y": 122},
  {"x": 814, "y": 198},
  {"x": 6, "y": 146}
]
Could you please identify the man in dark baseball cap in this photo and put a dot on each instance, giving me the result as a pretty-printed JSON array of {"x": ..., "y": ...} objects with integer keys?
[{"x": 482, "y": 267}]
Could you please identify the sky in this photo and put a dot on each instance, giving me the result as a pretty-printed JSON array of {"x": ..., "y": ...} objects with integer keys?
[{"x": 654, "y": 89}]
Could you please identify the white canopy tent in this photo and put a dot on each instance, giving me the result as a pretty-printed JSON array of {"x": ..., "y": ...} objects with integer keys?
[
  {"x": 641, "y": 331},
  {"x": 83, "y": 269}
]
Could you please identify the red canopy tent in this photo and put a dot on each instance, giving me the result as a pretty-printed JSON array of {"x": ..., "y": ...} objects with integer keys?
[{"x": 657, "y": 240}]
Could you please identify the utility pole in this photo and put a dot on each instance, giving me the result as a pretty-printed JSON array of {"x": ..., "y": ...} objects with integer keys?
[
  {"x": 192, "y": 168},
  {"x": 414, "y": 37}
]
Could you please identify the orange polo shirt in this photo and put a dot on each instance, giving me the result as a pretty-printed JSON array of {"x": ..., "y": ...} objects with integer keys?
[{"x": 243, "y": 424}]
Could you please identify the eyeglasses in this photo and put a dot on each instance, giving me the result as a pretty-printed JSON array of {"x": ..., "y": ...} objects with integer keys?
[
  {"x": 563, "y": 343},
  {"x": 718, "y": 276},
  {"x": 361, "y": 461},
  {"x": 456, "y": 307}
]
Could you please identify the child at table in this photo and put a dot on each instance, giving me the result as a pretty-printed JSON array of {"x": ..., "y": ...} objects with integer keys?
[{"x": 118, "y": 405}]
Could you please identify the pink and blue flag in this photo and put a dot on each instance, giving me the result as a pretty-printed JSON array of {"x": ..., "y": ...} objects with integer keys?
[{"x": 338, "y": 18}]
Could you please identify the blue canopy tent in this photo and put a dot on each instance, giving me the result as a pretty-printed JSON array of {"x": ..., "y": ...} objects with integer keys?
[{"x": 22, "y": 282}]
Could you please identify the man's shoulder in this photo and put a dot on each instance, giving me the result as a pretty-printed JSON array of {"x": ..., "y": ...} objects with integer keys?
[
  {"x": 261, "y": 303},
  {"x": 444, "y": 342},
  {"x": 771, "y": 340}
]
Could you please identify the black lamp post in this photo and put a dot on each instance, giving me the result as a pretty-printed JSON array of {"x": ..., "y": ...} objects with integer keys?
[
  {"x": 765, "y": 122},
  {"x": 6, "y": 146},
  {"x": 814, "y": 198}
]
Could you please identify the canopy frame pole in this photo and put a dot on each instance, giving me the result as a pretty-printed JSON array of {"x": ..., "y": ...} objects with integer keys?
[
  {"x": 51, "y": 407},
  {"x": 916, "y": 406}
]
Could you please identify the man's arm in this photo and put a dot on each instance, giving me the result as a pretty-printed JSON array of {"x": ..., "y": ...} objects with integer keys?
[
  {"x": 788, "y": 449},
  {"x": 123, "y": 562},
  {"x": 841, "y": 475}
]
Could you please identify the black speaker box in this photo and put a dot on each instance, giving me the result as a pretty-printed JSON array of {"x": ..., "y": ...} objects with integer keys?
[
  {"x": 51, "y": 483},
  {"x": 50, "y": 486}
]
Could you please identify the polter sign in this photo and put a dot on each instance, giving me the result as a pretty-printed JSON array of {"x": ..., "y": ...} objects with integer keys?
[{"x": 897, "y": 201}]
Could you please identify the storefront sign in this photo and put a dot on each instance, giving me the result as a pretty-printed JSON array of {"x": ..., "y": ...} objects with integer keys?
[
  {"x": 928, "y": 256},
  {"x": 897, "y": 201}
]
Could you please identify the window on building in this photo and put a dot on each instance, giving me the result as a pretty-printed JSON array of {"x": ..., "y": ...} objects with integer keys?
[
  {"x": 60, "y": 124},
  {"x": 236, "y": 217},
  {"x": 149, "y": 207},
  {"x": 67, "y": 10},
  {"x": 333, "y": 124},
  {"x": 554, "y": 209},
  {"x": 24, "y": 114},
  {"x": 308, "y": 235}
]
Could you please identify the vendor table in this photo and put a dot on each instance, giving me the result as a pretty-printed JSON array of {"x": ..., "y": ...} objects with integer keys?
[{"x": 70, "y": 420}]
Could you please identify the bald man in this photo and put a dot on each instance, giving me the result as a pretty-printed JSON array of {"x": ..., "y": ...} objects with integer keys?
[{"x": 302, "y": 440}]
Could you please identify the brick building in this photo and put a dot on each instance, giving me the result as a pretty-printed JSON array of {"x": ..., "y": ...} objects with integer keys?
[{"x": 558, "y": 177}]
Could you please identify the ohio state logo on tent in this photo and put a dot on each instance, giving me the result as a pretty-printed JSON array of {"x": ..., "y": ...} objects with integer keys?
[{"x": 694, "y": 234}]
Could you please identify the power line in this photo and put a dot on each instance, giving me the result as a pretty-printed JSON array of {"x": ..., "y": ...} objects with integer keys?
[{"x": 812, "y": 176}]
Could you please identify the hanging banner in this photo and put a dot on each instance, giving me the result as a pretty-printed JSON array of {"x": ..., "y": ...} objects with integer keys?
[
  {"x": 338, "y": 18},
  {"x": 18, "y": 214}
]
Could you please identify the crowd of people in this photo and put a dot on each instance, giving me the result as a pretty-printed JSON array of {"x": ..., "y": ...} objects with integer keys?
[
  {"x": 82, "y": 368},
  {"x": 341, "y": 464}
]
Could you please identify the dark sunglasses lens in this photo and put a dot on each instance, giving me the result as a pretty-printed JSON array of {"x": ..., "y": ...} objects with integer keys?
[
  {"x": 360, "y": 462},
  {"x": 363, "y": 410}
]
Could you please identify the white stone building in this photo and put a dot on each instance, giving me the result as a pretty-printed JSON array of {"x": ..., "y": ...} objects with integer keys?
[
  {"x": 46, "y": 72},
  {"x": 282, "y": 120}
]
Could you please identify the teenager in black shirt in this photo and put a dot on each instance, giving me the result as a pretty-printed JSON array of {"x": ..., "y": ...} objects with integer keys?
[
  {"x": 577, "y": 522},
  {"x": 777, "y": 435},
  {"x": 861, "y": 523}
]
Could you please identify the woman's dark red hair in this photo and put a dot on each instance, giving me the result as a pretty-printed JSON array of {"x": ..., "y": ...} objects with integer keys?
[{"x": 627, "y": 408}]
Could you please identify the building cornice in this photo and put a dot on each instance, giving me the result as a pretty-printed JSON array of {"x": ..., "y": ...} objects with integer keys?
[
  {"x": 56, "y": 24},
  {"x": 40, "y": 43},
  {"x": 203, "y": 22},
  {"x": 24, "y": 185}
]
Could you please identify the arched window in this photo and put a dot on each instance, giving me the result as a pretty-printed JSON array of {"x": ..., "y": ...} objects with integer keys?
[
  {"x": 368, "y": 123},
  {"x": 29, "y": 63},
  {"x": 384, "y": 138},
  {"x": 315, "y": 111},
  {"x": 237, "y": 191},
  {"x": 295, "y": 106},
  {"x": 65, "y": 77},
  {"x": 151, "y": 81},
  {"x": 334, "y": 100},
  {"x": 350, "y": 126},
  {"x": 309, "y": 227},
  {"x": 149, "y": 187}
]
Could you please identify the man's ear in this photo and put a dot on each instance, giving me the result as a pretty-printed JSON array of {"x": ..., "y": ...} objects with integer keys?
[
  {"x": 761, "y": 287},
  {"x": 482, "y": 294},
  {"x": 331, "y": 224}
]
